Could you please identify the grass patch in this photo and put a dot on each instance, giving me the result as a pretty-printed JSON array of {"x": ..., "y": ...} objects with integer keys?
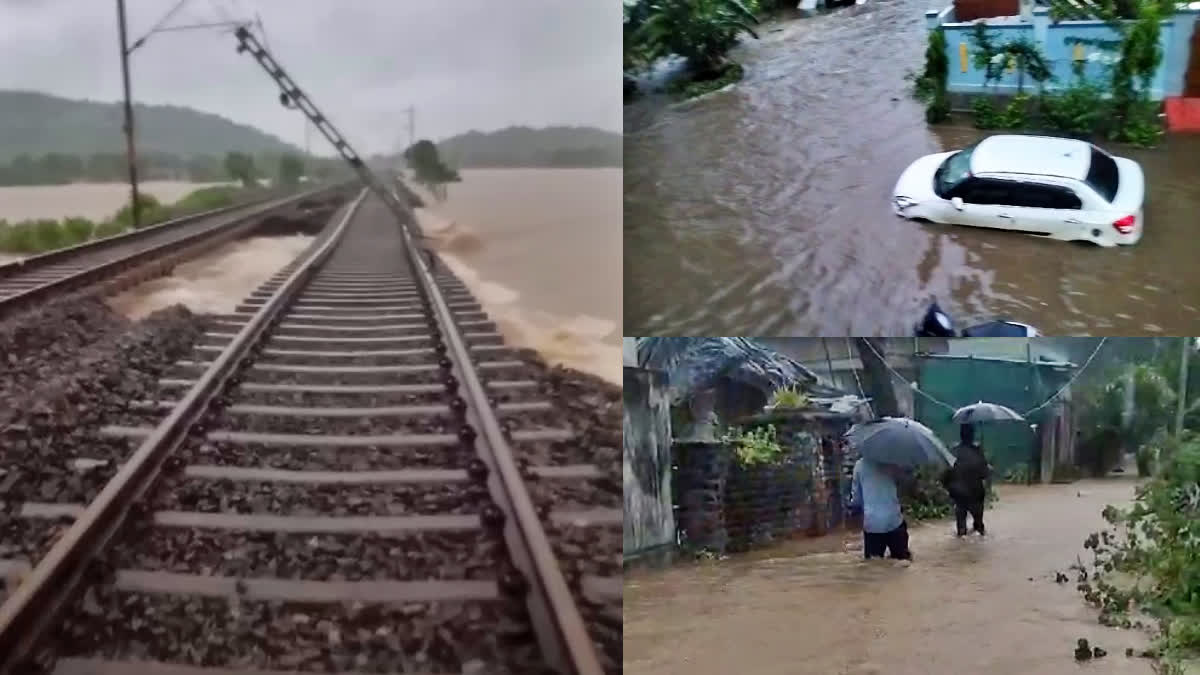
[{"x": 684, "y": 89}]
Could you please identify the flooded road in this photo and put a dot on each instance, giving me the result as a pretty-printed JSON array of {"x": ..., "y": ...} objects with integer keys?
[
  {"x": 763, "y": 210},
  {"x": 964, "y": 606}
]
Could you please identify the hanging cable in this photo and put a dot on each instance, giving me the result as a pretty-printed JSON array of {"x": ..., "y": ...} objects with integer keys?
[
  {"x": 900, "y": 377},
  {"x": 165, "y": 18},
  {"x": 1034, "y": 409},
  {"x": 1070, "y": 381},
  {"x": 861, "y": 394}
]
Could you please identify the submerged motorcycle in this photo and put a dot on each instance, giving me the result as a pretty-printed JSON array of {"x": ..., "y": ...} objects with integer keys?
[{"x": 938, "y": 324}]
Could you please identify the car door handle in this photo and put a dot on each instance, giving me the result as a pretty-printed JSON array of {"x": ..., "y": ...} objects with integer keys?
[
  {"x": 1004, "y": 215},
  {"x": 1072, "y": 221}
]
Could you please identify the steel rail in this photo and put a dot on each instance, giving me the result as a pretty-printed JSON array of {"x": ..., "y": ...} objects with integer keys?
[
  {"x": 50, "y": 586},
  {"x": 561, "y": 632},
  {"x": 95, "y": 273}
]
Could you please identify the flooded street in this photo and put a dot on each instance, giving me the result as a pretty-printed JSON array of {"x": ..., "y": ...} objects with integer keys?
[
  {"x": 964, "y": 606},
  {"x": 764, "y": 210}
]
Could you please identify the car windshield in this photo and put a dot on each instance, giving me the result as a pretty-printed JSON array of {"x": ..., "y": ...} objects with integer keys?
[
  {"x": 953, "y": 171},
  {"x": 1102, "y": 174}
]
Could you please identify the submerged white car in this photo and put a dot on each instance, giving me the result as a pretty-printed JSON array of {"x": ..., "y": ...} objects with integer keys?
[{"x": 1050, "y": 187}]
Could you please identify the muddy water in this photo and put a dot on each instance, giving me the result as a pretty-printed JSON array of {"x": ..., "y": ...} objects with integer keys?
[
  {"x": 983, "y": 606},
  {"x": 541, "y": 249},
  {"x": 216, "y": 282},
  {"x": 764, "y": 209}
]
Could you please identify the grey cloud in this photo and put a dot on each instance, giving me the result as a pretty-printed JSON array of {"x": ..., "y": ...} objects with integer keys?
[{"x": 463, "y": 64}]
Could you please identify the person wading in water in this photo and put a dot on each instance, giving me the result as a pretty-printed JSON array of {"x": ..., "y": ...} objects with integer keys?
[
  {"x": 968, "y": 481},
  {"x": 873, "y": 493}
]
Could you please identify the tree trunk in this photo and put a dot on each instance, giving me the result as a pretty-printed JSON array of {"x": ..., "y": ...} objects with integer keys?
[{"x": 877, "y": 381}]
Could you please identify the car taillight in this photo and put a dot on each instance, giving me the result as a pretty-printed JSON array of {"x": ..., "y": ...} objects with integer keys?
[{"x": 1125, "y": 225}]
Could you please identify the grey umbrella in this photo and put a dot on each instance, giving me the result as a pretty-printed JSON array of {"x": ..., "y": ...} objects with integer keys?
[
  {"x": 898, "y": 441},
  {"x": 985, "y": 412}
]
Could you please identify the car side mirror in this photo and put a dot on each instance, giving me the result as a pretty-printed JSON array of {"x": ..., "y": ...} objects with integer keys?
[{"x": 957, "y": 202}]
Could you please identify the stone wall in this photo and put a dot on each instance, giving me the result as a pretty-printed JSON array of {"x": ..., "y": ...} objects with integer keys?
[
  {"x": 699, "y": 479},
  {"x": 723, "y": 506}
]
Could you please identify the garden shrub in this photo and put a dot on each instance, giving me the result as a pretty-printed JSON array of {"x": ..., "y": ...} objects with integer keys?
[
  {"x": 1157, "y": 542},
  {"x": 1077, "y": 110}
]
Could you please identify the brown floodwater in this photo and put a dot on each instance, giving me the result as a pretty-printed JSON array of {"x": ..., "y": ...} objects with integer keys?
[
  {"x": 540, "y": 248},
  {"x": 764, "y": 209},
  {"x": 985, "y": 606}
]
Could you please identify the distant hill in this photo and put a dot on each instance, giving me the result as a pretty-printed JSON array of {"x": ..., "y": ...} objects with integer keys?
[
  {"x": 38, "y": 124},
  {"x": 526, "y": 147}
]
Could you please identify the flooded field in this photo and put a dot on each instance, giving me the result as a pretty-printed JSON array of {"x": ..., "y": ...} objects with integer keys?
[
  {"x": 764, "y": 210},
  {"x": 89, "y": 200},
  {"x": 986, "y": 606}
]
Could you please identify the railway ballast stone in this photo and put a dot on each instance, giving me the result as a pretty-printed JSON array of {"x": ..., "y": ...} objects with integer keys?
[
  {"x": 74, "y": 365},
  {"x": 90, "y": 362}
]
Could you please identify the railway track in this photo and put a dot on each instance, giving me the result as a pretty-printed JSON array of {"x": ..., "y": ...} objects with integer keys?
[
  {"x": 32, "y": 281},
  {"x": 350, "y": 473}
]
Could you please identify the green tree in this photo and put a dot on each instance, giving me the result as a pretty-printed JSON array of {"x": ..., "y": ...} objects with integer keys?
[
  {"x": 1116, "y": 418},
  {"x": 701, "y": 31},
  {"x": 430, "y": 171},
  {"x": 240, "y": 167},
  {"x": 291, "y": 168}
]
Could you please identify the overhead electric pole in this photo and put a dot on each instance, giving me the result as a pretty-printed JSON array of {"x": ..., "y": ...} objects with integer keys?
[
  {"x": 130, "y": 154},
  {"x": 126, "y": 51}
]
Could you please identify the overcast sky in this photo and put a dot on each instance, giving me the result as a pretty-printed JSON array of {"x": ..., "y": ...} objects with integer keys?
[{"x": 464, "y": 64}]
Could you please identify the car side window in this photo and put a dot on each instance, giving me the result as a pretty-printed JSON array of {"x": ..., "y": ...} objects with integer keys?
[
  {"x": 986, "y": 191},
  {"x": 1041, "y": 196},
  {"x": 1067, "y": 199}
]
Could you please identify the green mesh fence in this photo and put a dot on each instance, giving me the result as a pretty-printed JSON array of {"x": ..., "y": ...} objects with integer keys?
[{"x": 1020, "y": 385}]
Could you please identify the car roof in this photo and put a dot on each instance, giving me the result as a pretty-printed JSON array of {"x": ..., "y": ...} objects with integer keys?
[{"x": 1037, "y": 155}]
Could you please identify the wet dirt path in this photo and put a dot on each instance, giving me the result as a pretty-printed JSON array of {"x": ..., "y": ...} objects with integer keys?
[
  {"x": 763, "y": 210},
  {"x": 964, "y": 606}
]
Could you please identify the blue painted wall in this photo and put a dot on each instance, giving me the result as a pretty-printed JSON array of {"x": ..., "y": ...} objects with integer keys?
[{"x": 1058, "y": 43}]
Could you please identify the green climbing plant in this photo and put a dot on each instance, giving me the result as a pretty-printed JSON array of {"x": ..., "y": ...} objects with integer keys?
[{"x": 1021, "y": 53}]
